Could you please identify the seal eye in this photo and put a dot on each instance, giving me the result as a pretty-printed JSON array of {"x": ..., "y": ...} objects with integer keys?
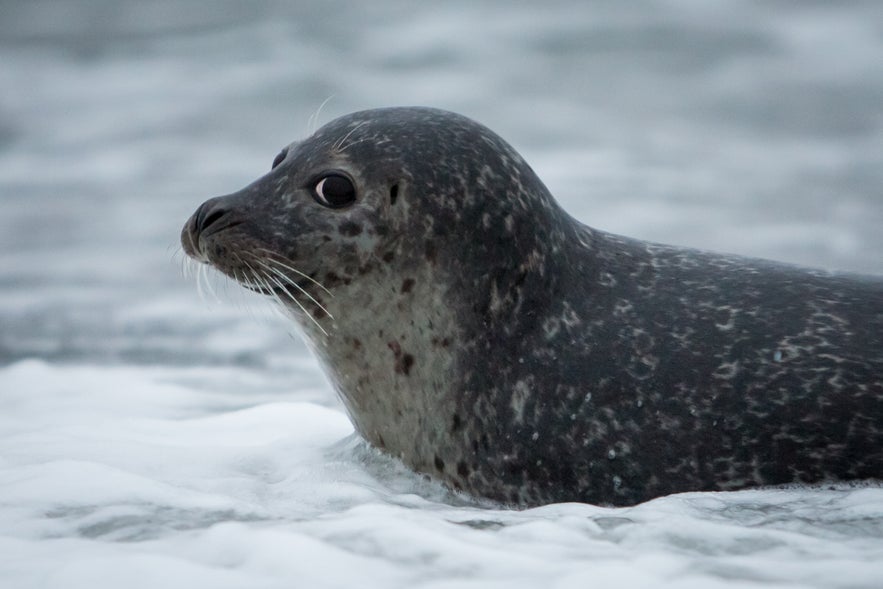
[
  {"x": 280, "y": 158},
  {"x": 335, "y": 191}
]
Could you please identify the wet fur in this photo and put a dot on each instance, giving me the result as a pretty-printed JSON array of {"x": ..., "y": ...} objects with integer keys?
[{"x": 486, "y": 338}]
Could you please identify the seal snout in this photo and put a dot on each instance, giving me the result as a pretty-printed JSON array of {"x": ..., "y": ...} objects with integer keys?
[{"x": 212, "y": 216}]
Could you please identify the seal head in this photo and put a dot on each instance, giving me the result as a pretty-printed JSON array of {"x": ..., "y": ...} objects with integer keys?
[{"x": 479, "y": 333}]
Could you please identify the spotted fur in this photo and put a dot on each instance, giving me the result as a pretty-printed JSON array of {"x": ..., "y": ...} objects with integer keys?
[{"x": 486, "y": 338}]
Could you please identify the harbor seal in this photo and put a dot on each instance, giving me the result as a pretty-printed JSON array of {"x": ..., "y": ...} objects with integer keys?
[{"x": 479, "y": 333}]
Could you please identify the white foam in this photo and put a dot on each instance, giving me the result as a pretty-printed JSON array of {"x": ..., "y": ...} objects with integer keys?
[{"x": 118, "y": 471}]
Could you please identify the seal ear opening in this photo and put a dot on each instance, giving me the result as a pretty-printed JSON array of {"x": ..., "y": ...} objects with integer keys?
[{"x": 393, "y": 194}]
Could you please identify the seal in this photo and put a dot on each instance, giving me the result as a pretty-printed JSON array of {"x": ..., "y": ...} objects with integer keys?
[{"x": 476, "y": 331}]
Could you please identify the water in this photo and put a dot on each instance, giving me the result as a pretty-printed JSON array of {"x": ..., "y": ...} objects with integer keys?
[{"x": 150, "y": 438}]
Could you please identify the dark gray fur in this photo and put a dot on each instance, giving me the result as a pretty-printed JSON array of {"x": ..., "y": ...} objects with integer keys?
[{"x": 493, "y": 342}]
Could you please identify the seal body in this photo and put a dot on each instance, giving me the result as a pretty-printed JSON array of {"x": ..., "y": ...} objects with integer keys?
[{"x": 482, "y": 335}]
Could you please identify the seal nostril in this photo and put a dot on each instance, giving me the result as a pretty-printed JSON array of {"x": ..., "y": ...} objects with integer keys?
[
  {"x": 212, "y": 218},
  {"x": 209, "y": 215}
]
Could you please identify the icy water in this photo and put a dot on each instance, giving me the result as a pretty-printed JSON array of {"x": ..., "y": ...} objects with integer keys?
[{"x": 151, "y": 438}]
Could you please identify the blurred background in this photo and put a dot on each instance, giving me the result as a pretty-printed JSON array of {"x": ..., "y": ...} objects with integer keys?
[{"x": 753, "y": 127}]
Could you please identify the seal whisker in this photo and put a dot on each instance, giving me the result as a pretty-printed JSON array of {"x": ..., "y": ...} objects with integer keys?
[
  {"x": 187, "y": 268},
  {"x": 258, "y": 283},
  {"x": 177, "y": 256},
  {"x": 291, "y": 297},
  {"x": 349, "y": 145},
  {"x": 338, "y": 147},
  {"x": 314, "y": 118},
  {"x": 264, "y": 285},
  {"x": 209, "y": 286},
  {"x": 199, "y": 289},
  {"x": 295, "y": 270},
  {"x": 240, "y": 276},
  {"x": 191, "y": 269},
  {"x": 253, "y": 280},
  {"x": 288, "y": 280},
  {"x": 265, "y": 281}
]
